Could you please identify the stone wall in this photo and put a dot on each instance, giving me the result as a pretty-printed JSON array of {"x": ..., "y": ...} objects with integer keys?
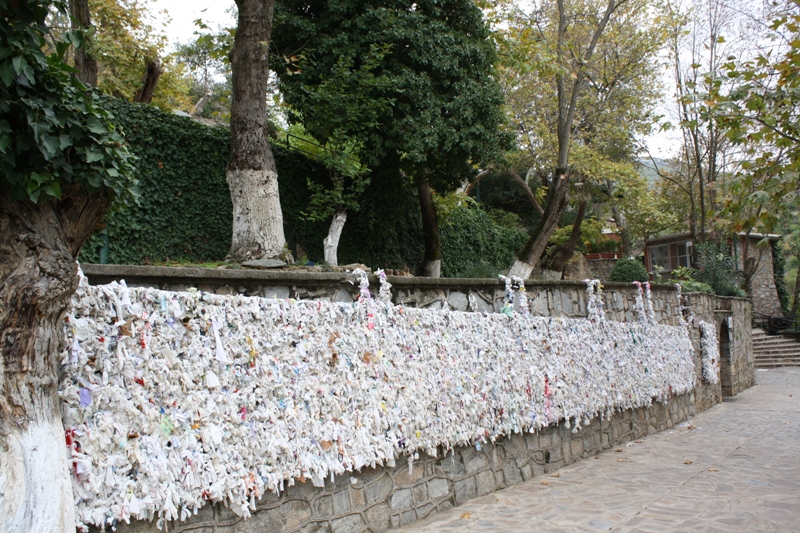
[
  {"x": 382, "y": 498},
  {"x": 602, "y": 267},
  {"x": 377, "y": 499},
  {"x": 545, "y": 298},
  {"x": 731, "y": 316}
]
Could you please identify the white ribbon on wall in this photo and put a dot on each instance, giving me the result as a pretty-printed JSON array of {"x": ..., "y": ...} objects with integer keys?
[{"x": 175, "y": 399}]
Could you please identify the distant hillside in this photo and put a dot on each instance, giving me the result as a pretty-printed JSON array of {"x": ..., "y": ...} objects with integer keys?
[{"x": 647, "y": 169}]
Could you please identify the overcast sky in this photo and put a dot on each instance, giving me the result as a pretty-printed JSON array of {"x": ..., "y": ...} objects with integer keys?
[{"x": 183, "y": 13}]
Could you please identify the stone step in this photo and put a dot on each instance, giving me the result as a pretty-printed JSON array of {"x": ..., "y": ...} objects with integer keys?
[
  {"x": 774, "y": 339},
  {"x": 788, "y": 351},
  {"x": 777, "y": 364},
  {"x": 777, "y": 358}
]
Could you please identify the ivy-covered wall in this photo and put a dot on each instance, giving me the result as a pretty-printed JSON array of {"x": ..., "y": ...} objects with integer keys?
[{"x": 184, "y": 212}]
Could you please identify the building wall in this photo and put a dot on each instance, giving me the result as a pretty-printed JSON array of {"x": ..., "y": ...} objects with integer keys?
[{"x": 762, "y": 287}]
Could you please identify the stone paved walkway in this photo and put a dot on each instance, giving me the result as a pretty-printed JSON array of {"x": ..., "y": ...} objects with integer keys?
[{"x": 733, "y": 468}]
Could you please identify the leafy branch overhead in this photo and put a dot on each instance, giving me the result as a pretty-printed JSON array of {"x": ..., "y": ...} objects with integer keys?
[{"x": 54, "y": 131}]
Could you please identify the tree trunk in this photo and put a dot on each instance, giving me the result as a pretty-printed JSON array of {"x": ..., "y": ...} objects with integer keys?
[
  {"x": 152, "y": 73},
  {"x": 793, "y": 311},
  {"x": 251, "y": 174},
  {"x": 557, "y": 202},
  {"x": 563, "y": 253},
  {"x": 38, "y": 276},
  {"x": 432, "y": 265},
  {"x": 85, "y": 64},
  {"x": 331, "y": 242}
]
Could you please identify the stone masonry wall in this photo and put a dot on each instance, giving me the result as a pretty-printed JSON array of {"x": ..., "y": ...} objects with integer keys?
[
  {"x": 378, "y": 499},
  {"x": 739, "y": 373},
  {"x": 601, "y": 268},
  {"x": 382, "y": 498}
]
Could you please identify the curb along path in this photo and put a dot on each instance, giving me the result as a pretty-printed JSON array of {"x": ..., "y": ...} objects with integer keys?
[{"x": 735, "y": 467}]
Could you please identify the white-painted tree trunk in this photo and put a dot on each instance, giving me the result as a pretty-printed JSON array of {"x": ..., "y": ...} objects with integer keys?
[
  {"x": 432, "y": 269},
  {"x": 257, "y": 215},
  {"x": 520, "y": 269},
  {"x": 331, "y": 243},
  {"x": 35, "y": 485}
]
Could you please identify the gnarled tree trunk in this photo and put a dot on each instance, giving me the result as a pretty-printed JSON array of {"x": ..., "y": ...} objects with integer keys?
[
  {"x": 251, "y": 174},
  {"x": 432, "y": 261},
  {"x": 38, "y": 276},
  {"x": 331, "y": 243}
]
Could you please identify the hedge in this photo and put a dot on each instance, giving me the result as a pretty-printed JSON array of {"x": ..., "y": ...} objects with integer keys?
[{"x": 184, "y": 213}]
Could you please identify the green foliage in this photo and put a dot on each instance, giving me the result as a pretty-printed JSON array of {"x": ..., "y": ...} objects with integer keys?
[
  {"x": 345, "y": 180},
  {"x": 185, "y": 209},
  {"x": 627, "y": 270},
  {"x": 207, "y": 58},
  {"x": 474, "y": 246},
  {"x": 717, "y": 267},
  {"x": 504, "y": 218},
  {"x": 412, "y": 81},
  {"x": 760, "y": 115},
  {"x": 54, "y": 132},
  {"x": 683, "y": 273},
  {"x": 779, "y": 271},
  {"x": 694, "y": 286},
  {"x": 184, "y": 214}
]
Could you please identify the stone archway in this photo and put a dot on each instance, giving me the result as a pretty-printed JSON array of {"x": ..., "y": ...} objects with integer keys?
[{"x": 725, "y": 363}]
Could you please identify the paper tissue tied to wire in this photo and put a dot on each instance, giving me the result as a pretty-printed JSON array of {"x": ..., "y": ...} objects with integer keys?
[{"x": 172, "y": 400}]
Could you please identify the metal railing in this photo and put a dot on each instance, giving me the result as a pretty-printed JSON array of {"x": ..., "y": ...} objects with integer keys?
[{"x": 776, "y": 325}]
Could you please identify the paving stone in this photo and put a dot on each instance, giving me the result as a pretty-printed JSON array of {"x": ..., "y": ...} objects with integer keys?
[{"x": 264, "y": 263}]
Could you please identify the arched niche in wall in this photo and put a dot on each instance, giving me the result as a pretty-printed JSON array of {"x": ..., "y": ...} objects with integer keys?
[{"x": 725, "y": 361}]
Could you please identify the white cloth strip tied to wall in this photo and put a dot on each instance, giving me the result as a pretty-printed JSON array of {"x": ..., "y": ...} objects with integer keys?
[
  {"x": 709, "y": 352},
  {"x": 172, "y": 400}
]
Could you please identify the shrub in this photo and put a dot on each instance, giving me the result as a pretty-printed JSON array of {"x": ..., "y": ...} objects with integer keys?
[
  {"x": 717, "y": 267},
  {"x": 628, "y": 270},
  {"x": 695, "y": 286},
  {"x": 473, "y": 245}
]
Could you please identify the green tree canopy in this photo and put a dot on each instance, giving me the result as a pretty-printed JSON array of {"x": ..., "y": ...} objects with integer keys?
[{"x": 413, "y": 82}]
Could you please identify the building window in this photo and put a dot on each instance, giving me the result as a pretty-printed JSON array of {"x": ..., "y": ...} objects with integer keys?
[
  {"x": 659, "y": 256},
  {"x": 684, "y": 254}
]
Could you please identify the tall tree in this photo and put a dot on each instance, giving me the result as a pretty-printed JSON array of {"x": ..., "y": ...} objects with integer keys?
[
  {"x": 251, "y": 174},
  {"x": 760, "y": 114},
  {"x": 85, "y": 63},
  {"x": 62, "y": 164},
  {"x": 412, "y": 82},
  {"x": 566, "y": 36}
]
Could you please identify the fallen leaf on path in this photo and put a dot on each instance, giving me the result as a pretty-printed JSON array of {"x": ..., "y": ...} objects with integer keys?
[
  {"x": 556, "y": 475},
  {"x": 545, "y": 482},
  {"x": 624, "y": 460},
  {"x": 466, "y": 516},
  {"x": 638, "y": 441},
  {"x": 618, "y": 450},
  {"x": 713, "y": 469},
  {"x": 687, "y": 462}
]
